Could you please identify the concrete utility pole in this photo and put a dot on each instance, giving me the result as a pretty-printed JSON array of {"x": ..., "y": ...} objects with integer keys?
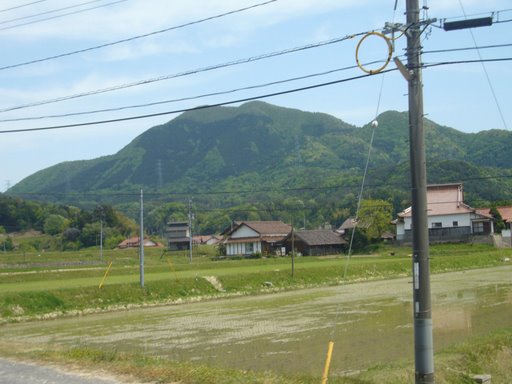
[
  {"x": 190, "y": 230},
  {"x": 101, "y": 239},
  {"x": 423, "y": 341},
  {"x": 141, "y": 240}
]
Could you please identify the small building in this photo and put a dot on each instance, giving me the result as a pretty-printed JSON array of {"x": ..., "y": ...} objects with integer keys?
[
  {"x": 252, "y": 237},
  {"x": 349, "y": 224},
  {"x": 178, "y": 236},
  {"x": 449, "y": 218},
  {"x": 134, "y": 242},
  {"x": 318, "y": 242},
  {"x": 506, "y": 216},
  {"x": 206, "y": 239}
]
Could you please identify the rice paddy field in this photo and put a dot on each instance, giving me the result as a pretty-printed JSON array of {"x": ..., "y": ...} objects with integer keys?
[{"x": 255, "y": 320}]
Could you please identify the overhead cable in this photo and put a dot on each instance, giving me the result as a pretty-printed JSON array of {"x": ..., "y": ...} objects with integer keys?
[
  {"x": 491, "y": 87},
  {"x": 347, "y": 186},
  {"x": 234, "y": 90},
  {"x": 137, "y": 36},
  {"x": 62, "y": 15},
  {"x": 21, "y": 6},
  {"x": 426, "y": 65},
  {"x": 186, "y": 73},
  {"x": 48, "y": 12},
  {"x": 187, "y": 98},
  {"x": 242, "y": 100},
  {"x": 467, "y": 48}
]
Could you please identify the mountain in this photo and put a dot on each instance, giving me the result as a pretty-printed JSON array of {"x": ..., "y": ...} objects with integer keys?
[{"x": 261, "y": 152}]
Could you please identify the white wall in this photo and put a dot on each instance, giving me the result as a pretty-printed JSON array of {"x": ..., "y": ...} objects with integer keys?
[
  {"x": 400, "y": 230},
  {"x": 242, "y": 248},
  {"x": 463, "y": 219},
  {"x": 244, "y": 231}
]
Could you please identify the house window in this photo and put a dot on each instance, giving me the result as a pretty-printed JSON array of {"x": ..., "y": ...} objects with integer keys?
[
  {"x": 249, "y": 248},
  {"x": 437, "y": 225},
  {"x": 478, "y": 227},
  {"x": 455, "y": 224}
]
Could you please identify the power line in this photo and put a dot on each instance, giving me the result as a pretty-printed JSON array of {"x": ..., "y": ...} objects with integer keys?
[
  {"x": 491, "y": 87},
  {"x": 21, "y": 6},
  {"x": 241, "y": 100},
  {"x": 468, "y": 48},
  {"x": 354, "y": 186},
  {"x": 441, "y": 63},
  {"x": 234, "y": 90},
  {"x": 194, "y": 108},
  {"x": 186, "y": 73},
  {"x": 188, "y": 98},
  {"x": 492, "y": 13},
  {"x": 137, "y": 36},
  {"x": 48, "y": 12},
  {"x": 62, "y": 15}
]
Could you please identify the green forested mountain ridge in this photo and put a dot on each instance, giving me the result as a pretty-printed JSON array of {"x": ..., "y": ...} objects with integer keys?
[{"x": 278, "y": 153}]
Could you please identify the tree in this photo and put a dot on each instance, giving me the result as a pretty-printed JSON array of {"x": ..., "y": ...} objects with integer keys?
[
  {"x": 375, "y": 217},
  {"x": 90, "y": 234},
  {"x": 498, "y": 220},
  {"x": 71, "y": 234},
  {"x": 55, "y": 224}
]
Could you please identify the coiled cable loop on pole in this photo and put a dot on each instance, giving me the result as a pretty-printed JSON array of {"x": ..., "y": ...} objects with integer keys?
[{"x": 386, "y": 62}]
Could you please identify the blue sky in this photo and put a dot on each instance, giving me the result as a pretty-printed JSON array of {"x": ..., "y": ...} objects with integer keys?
[{"x": 458, "y": 96}]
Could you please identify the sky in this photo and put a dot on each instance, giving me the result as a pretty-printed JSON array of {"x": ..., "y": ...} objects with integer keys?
[{"x": 158, "y": 51}]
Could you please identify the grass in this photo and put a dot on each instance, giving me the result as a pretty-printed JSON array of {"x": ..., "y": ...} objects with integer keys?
[
  {"x": 38, "y": 292},
  {"x": 66, "y": 283},
  {"x": 454, "y": 365}
]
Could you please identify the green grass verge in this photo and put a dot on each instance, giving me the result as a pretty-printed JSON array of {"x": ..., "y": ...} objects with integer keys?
[
  {"x": 41, "y": 293},
  {"x": 455, "y": 365}
]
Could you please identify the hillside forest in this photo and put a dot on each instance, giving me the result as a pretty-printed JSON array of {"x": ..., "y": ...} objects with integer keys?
[{"x": 256, "y": 161}]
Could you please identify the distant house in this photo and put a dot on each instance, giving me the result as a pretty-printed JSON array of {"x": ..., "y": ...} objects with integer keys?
[
  {"x": 206, "y": 239},
  {"x": 250, "y": 237},
  {"x": 506, "y": 215},
  {"x": 178, "y": 235},
  {"x": 317, "y": 242},
  {"x": 449, "y": 218},
  {"x": 350, "y": 224},
  {"x": 134, "y": 242}
]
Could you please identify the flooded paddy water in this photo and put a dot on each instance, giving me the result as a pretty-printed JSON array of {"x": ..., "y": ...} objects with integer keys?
[{"x": 370, "y": 323}]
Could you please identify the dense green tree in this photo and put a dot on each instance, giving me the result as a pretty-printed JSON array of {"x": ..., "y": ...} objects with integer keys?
[
  {"x": 71, "y": 234},
  {"x": 499, "y": 223},
  {"x": 375, "y": 217},
  {"x": 90, "y": 235},
  {"x": 55, "y": 224}
]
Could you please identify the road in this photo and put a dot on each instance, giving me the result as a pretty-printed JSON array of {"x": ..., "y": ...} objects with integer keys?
[{"x": 14, "y": 372}]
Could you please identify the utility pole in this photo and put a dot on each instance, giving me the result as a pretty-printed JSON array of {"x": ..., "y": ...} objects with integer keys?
[
  {"x": 141, "y": 240},
  {"x": 101, "y": 239},
  {"x": 293, "y": 251},
  {"x": 423, "y": 340},
  {"x": 190, "y": 230}
]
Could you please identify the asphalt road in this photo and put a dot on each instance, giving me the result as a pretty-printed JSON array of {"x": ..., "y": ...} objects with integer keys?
[{"x": 13, "y": 372}]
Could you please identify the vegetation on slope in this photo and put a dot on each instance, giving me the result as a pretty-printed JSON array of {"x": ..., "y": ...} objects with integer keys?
[{"x": 259, "y": 160}]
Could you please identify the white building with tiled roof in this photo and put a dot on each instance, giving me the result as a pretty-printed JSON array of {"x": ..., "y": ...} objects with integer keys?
[
  {"x": 449, "y": 218},
  {"x": 250, "y": 237}
]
